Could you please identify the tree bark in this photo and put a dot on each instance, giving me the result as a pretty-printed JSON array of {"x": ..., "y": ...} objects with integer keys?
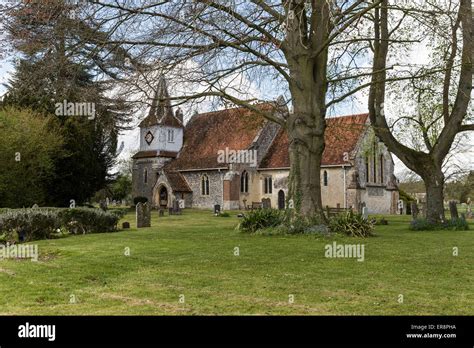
[
  {"x": 306, "y": 150},
  {"x": 434, "y": 184}
]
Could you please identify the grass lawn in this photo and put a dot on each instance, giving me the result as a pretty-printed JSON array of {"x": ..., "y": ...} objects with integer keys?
[{"x": 193, "y": 255}]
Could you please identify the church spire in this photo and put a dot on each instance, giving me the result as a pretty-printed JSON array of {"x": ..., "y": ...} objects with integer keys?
[{"x": 161, "y": 112}]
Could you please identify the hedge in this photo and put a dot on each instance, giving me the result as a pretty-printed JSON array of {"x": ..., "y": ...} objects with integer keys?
[{"x": 42, "y": 223}]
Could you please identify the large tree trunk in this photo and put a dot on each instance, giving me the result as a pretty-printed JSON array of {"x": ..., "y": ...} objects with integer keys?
[
  {"x": 434, "y": 184},
  {"x": 306, "y": 128},
  {"x": 305, "y": 174}
]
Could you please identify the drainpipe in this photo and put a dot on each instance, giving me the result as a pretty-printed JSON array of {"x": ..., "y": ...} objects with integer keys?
[
  {"x": 222, "y": 189},
  {"x": 345, "y": 192}
]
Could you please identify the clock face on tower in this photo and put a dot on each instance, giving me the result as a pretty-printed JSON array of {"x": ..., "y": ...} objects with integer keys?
[{"x": 149, "y": 137}]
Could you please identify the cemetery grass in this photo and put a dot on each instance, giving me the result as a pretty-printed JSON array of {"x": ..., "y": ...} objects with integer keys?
[{"x": 193, "y": 255}]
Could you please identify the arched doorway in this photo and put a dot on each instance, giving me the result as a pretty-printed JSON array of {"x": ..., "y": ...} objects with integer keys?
[
  {"x": 281, "y": 200},
  {"x": 163, "y": 197}
]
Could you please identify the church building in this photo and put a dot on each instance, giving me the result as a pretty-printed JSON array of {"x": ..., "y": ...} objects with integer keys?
[{"x": 235, "y": 158}]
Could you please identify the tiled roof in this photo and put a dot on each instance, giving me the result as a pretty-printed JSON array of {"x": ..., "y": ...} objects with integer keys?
[
  {"x": 177, "y": 182},
  {"x": 342, "y": 135},
  {"x": 145, "y": 154},
  {"x": 154, "y": 153},
  {"x": 205, "y": 134}
]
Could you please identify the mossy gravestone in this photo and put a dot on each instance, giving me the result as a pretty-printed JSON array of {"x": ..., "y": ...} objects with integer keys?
[{"x": 143, "y": 212}]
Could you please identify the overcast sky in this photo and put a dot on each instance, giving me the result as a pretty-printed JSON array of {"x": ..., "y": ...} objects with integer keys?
[{"x": 130, "y": 138}]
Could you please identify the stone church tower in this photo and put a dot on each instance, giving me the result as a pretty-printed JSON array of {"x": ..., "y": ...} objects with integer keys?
[{"x": 161, "y": 138}]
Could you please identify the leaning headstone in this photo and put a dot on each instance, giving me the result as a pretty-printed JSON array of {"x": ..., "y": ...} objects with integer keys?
[
  {"x": 453, "y": 209},
  {"x": 143, "y": 212},
  {"x": 266, "y": 203},
  {"x": 365, "y": 213},
  {"x": 414, "y": 210},
  {"x": 125, "y": 225}
]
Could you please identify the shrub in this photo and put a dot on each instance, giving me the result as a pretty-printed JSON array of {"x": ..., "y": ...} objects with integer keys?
[
  {"x": 456, "y": 225},
  {"x": 43, "y": 223},
  {"x": 86, "y": 220},
  {"x": 140, "y": 199},
  {"x": 119, "y": 212},
  {"x": 382, "y": 221},
  {"x": 422, "y": 224},
  {"x": 351, "y": 224},
  {"x": 295, "y": 224},
  {"x": 261, "y": 218},
  {"x": 223, "y": 214},
  {"x": 28, "y": 224}
]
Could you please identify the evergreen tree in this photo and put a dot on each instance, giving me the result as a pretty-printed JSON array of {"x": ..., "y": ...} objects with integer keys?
[{"x": 57, "y": 66}]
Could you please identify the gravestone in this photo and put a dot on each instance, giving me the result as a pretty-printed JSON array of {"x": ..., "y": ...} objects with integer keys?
[
  {"x": 35, "y": 206},
  {"x": 176, "y": 208},
  {"x": 414, "y": 210},
  {"x": 125, "y": 225},
  {"x": 453, "y": 209},
  {"x": 365, "y": 213},
  {"x": 360, "y": 206},
  {"x": 400, "y": 206},
  {"x": 469, "y": 210},
  {"x": 143, "y": 213},
  {"x": 217, "y": 209},
  {"x": 103, "y": 205},
  {"x": 161, "y": 212},
  {"x": 266, "y": 203}
]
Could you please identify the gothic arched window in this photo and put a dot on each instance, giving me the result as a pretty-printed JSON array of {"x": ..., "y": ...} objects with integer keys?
[
  {"x": 381, "y": 168},
  {"x": 367, "y": 173},
  {"x": 374, "y": 169},
  {"x": 325, "y": 178},
  {"x": 205, "y": 185},
  {"x": 268, "y": 185},
  {"x": 244, "y": 182}
]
